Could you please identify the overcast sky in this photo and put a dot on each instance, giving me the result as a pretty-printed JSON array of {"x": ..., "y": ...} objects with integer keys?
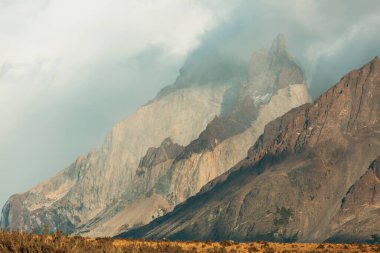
[{"x": 70, "y": 69}]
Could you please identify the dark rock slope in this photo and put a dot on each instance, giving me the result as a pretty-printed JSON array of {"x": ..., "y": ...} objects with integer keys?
[
  {"x": 359, "y": 212},
  {"x": 305, "y": 179}
]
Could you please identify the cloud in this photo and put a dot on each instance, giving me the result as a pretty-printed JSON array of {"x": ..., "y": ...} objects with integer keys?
[{"x": 327, "y": 38}]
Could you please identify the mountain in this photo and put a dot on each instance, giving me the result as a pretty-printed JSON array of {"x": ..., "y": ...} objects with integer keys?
[
  {"x": 312, "y": 176},
  {"x": 192, "y": 132}
]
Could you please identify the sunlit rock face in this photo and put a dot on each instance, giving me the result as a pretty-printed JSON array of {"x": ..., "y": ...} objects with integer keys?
[
  {"x": 164, "y": 153},
  {"x": 97, "y": 181},
  {"x": 312, "y": 176}
]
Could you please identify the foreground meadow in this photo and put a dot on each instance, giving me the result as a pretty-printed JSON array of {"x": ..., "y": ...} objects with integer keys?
[{"x": 25, "y": 242}]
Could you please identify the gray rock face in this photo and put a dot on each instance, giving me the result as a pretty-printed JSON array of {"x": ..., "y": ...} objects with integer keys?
[
  {"x": 161, "y": 155},
  {"x": 305, "y": 179}
]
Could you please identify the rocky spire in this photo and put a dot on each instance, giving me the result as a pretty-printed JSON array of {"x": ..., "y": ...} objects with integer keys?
[
  {"x": 279, "y": 46},
  {"x": 270, "y": 70}
]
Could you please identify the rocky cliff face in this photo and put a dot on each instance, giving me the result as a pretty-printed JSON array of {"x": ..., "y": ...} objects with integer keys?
[
  {"x": 162, "y": 154},
  {"x": 97, "y": 181},
  {"x": 305, "y": 179}
]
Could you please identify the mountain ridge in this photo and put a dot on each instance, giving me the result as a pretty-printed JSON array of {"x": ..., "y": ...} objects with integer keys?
[{"x": 291, "y": 185}]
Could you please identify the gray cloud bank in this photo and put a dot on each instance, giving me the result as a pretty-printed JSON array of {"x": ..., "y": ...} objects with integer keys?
[
  {"x": 73, "y": 105},
  {"x": 327, "y": 39}
]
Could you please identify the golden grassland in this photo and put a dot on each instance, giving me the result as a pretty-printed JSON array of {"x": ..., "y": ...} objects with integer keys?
[{"x": 30, "y": 243}]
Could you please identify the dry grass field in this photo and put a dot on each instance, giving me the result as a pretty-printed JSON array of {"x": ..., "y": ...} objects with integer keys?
[{"x": 24, "y": 242}]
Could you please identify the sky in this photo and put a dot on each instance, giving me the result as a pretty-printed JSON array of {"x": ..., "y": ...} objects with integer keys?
[{"x": 71, "y": 69}]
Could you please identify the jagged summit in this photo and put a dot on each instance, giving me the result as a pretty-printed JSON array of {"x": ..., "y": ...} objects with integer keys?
[
  {"x": 270, "y": 70},
  {"x": 305, "y": 179},
  {"x": 213, "y": 68},
  {"x": 279, "y": 45}
]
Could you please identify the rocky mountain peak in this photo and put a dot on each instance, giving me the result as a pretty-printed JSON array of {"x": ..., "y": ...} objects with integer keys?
[
  {"x": 273, "y": 69},
  {"x": 279, "y": 46},
  {"x": 305, "y": 179}
]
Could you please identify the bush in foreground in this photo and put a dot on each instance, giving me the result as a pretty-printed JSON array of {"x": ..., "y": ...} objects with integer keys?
[{"x": 56, "y": 243}]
